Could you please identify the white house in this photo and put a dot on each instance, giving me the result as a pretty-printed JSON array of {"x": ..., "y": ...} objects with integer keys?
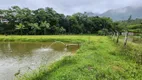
[{"x": 2, "y": 20}]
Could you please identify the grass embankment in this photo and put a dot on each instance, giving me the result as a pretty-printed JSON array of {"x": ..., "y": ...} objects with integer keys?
[
  {"x": 52, "y": 38},
  {"x": 101, "y": 59}
]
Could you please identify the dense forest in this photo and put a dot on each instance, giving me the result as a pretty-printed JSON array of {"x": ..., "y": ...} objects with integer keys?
[{"x": 24, "y": 21}]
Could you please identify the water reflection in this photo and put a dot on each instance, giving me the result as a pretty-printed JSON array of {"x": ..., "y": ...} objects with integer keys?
[{"x": 26, "y": 56}]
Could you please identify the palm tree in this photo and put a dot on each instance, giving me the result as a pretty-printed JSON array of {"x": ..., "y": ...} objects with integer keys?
[
  {"x": 20, "y": 27},
  {"x": 45, "y": 25},
  {"x": 35, "y": 27},
  {"x": 62, "y": 30}
]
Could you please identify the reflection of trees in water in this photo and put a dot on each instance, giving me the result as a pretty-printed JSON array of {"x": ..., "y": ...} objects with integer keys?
[
  {"x": 16, "y": 49},
  {"x": 5, "y": 49},
  {"x": 9, "y": 47},
  {"x": 22, "y": 49},
  {"x": 73, "y": 48},
  {"x": 58, "y": 47}
]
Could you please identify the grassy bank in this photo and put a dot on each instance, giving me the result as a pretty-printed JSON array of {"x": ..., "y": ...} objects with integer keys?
[
  {"x": 100, "y": 59},
  {"x": 32, "y": 38}
]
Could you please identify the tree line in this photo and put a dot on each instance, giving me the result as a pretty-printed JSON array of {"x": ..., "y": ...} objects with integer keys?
[{"x": 43, "y": 21}]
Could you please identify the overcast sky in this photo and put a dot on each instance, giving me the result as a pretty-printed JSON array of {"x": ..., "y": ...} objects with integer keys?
[{"x": 72, "y": 6}]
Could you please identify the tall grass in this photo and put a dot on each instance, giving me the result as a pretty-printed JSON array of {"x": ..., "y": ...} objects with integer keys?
[{"x": 133, "y": 51}]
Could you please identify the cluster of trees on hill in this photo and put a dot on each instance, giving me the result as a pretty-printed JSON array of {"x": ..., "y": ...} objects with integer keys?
[
  {"x": 127, "y": 26},
  {"x": 47, "y": 21},
  {"x": 133, "y": 25}
]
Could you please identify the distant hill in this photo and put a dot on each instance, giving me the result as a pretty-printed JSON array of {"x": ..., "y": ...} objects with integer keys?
[
  {"x": 92, "y": 14},
  {"x": 122, "y": 13}
]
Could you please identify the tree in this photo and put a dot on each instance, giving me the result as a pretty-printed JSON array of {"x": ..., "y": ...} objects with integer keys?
[
  {"x": 20, "y": 27},
  {"x": 117, "y": 29},
  {"x": 46, "y": 26},
  {"x": 34, "y": 27},
  {"x": 62, "y": 30},
  {"x": 137, "y": 28},
  {"x": 126, "y": 31},
  {"x": 40, "y": 20},
  {"x": 40, "y": 15}
]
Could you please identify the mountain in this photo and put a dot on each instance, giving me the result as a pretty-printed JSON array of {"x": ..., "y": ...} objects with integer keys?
[
  {"x": 92, "y": 14},
  {"x": 123, "y": 13}
]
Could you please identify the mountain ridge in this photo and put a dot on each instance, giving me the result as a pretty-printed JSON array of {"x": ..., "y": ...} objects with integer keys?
[{"x": 121, "y": 13}]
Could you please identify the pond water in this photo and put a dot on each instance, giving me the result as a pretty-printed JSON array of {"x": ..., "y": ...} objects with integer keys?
[{"x": 26, "y": 56}]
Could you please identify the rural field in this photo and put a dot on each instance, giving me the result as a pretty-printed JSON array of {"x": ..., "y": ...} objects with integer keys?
[
  {"x": 70, "y": 40},
  {"x": 98, "y": 57}
]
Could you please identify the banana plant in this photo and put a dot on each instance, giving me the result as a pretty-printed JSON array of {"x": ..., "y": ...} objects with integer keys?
[
  {"x": 45, "y": 26},
  {"x": 34, "y": 27},
  {"x": 20, "y": 27}
]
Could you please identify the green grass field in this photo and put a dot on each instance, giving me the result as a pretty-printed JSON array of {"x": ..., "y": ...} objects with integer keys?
[
  {"x": 65, "y": 38},
  {"x": 99, "y": 58}
]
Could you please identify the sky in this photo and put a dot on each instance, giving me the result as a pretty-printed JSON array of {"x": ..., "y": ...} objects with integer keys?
[{"x": 69, "y": 7}]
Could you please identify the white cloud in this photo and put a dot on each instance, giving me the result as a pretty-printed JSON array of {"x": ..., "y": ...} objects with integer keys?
[{"x": 72, "y": 6}]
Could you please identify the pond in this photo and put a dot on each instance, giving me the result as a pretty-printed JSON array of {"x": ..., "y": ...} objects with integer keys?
[{"x": 26, "y": 56}]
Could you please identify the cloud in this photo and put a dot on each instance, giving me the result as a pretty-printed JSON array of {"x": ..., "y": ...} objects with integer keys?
[{"x": 72, "y": 6}]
